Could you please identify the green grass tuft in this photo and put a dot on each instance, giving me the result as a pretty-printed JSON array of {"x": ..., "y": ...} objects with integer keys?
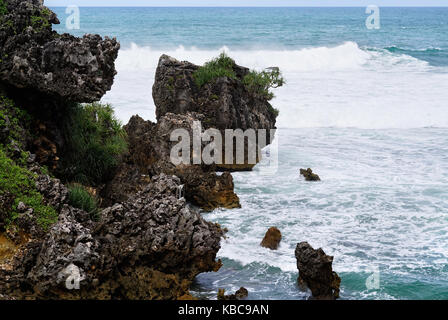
[
  {"x": 39, "y": 23},
  {"x": 221, "y": 66},
  {"x": 80, "y": 198},
  {"x": 3, "y": 8},
  {"x": 96, "y": 142}
]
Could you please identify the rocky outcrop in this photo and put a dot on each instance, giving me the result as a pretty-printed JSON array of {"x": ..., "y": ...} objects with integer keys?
[
  {"x": 240, "y": 294},
  {"x": 150, "y": 247},
  {"x": 149, "y": 154},
  {"x": 272, "y": 239},
  {"x": 309, "y": 175},
  {"x": 225, "y": 103},
  {"x": 316, "y": 272},
  {"x": 35, "y": 57},
  {"x": 148, "y": 244}
]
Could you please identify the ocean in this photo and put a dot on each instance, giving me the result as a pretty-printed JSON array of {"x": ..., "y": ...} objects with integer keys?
[{"x": 366, "y": 109}]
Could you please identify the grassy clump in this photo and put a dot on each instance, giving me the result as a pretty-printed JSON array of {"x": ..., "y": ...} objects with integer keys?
[
  {"x": 95, "y": 143},
  {"x": 19, "y": 183},
  {"x": 39, "y": 23},
  {"x": 260, "y": 83},
  {"x": 16, "y": 181},
  {"x": 3, "y": 8},
  {"x": 12, "y": 118},
  {"x": 221, "y": 66},
  {"x": 12, "y": 133},
  {"x": 80, "y": 198}
]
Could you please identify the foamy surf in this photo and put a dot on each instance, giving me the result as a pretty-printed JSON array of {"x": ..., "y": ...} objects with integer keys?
[{"x": 341, "y": 86}]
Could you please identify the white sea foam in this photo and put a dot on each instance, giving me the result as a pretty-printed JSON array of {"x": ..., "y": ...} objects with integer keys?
[
  {"x": 343, "y": 86},
  {"x": 383, "y": 197}
]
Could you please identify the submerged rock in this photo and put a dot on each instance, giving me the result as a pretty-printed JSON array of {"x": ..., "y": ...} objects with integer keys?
[
  {"x": 309, "y": 175},
  {"x": 316, "y": 273},
  {"x": 240, "y": 294},
  {"x": 34, "y": 57},
  {"x": 272, "y": 239}
]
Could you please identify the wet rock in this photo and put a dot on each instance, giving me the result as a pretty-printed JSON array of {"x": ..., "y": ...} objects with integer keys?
[
  {"x": 309, "y": 175},
  {"x": 316, "y": 273},
  {"x": 272, "y": 239},
  {"x": 240, "y": 294},
  {"x": 37, "y": 58},
  {"x": 209, "y": 190}
]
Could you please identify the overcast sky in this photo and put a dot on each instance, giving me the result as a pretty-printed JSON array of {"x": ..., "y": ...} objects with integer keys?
[{"x": 247, "y": 3}]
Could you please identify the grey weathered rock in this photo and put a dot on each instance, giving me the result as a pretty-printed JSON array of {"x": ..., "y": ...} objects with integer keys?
[
  {"x": 225, "y": 103},
  {"x": 36, "y": 58},
  {"x": 316, "y": 272},
  {"x": 150, "y": 247},
  {"x": 149, "y": 155}
]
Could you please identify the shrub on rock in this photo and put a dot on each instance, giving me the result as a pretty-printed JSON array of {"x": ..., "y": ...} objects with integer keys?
[{"x": 95, "y": 143}]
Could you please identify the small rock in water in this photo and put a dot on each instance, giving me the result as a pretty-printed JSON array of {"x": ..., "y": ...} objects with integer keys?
[
  {"x": 309, "y": 175},
  {"x": 240, "y": 294},
  {"x": 316, "y": 272},
  {"x": 272, "y": 239}
]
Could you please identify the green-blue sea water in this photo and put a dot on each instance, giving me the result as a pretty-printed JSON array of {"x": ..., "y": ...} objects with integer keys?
[{"x": 366, "y": 109}]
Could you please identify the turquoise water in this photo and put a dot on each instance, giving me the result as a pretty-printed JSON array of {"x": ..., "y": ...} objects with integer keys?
[{"x": 366, "y": 109}]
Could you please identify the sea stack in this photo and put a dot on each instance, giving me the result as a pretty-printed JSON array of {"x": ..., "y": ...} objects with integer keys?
[{"x": 316, "y": 272}]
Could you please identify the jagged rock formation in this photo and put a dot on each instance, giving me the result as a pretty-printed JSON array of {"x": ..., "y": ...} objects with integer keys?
[
  {"x": 309, "y": 175},
  {"x": 272, "y": 239},
  {"x": 44, "y": 72},
  {"x": 316, "y": 273},
  {"x": 149, "y": 154},
  {"x": 37, "y": 58},
  {"x": 224, "y": 103},
  {"x": 150, "y": 247}
]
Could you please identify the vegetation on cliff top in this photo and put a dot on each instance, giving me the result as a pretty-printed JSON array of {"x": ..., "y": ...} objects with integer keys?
[
  {"x": 262, "y": 82},
  {"x": 258, "y": 83},
  {"x": 96, "y": 142},
  {"x": 221, "y": 66}
]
